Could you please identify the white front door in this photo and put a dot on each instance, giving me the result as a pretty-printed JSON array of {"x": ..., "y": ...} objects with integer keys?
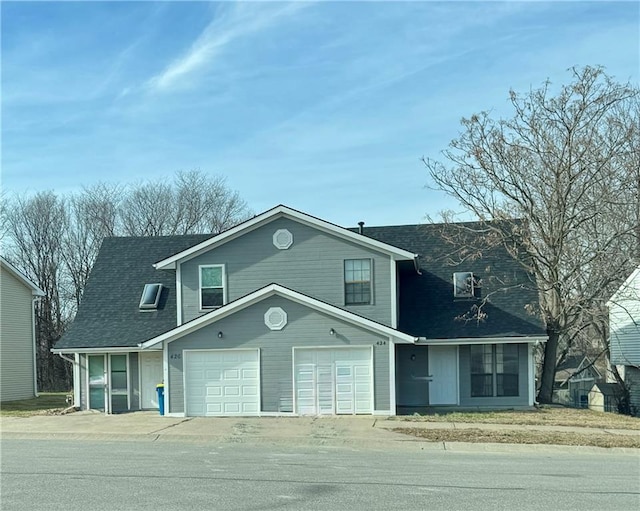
[
  {"x": 222, "y": 382},
  {"x": 150, "y": 375},
  {"x": 329, "y": 381},
  {"x": 443, "y": 370}
]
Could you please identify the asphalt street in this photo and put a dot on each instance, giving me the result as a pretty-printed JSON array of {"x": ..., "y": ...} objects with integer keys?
[{"x": 80, "y": 474}]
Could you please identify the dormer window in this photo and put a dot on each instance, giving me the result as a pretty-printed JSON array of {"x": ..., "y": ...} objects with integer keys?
[
  {"x": 150, "y": 296},
  {"x": 463, "y": 285}
]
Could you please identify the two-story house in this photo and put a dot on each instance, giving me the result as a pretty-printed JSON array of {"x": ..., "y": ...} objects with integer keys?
[
  {"x": 290, "y": 314},
  {"x": 18, "y": 370}
]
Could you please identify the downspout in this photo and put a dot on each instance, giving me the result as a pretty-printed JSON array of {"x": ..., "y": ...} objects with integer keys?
[
  {"x": 33, "y": 345},
  {"x": 76, "y": 394}
]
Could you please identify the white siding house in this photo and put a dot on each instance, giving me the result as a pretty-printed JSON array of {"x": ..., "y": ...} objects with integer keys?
[
  {"x": 624, "y": 321},
  {"x": 17, "y": 342}
]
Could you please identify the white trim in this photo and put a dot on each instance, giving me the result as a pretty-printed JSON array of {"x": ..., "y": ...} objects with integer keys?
[
  {"x": 395, "y": 292},
  {"x": 223, "y": 278},
  {"x": 271, "y": 290},
  {"x": 178, "y": 294},
  {"x": 165, "y": 376},
  {"x": 176, "y": 414},
  {"x": 34, "y": 346},
  {"x": 532, "y": 374},
  {"x": 119, "y": 349},
  {"x": 271, "y": 215},
  {"x": 387, "y": 413},
  {"x": 392, "y": 376},
  {"x": 140, "y": 380},
  {"x": 35, "y": 290},
  {"x": 77, "y": 390},
  {"x": 482, "y": 340},
  {"x": 458, "y": 372}
]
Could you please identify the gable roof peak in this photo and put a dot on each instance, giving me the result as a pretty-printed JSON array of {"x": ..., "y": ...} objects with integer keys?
[{"x": 272, "y": 214}]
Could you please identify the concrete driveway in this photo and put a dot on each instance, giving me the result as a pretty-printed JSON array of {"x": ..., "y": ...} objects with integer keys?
[{"x": 345, "y": 430}]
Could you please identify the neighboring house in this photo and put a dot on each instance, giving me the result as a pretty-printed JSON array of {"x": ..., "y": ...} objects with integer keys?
[
  {"x": 624, "y": 335},
  {"x": 575, "y": 378},
  {"x": 289, "y": 314},
  {"x": 18, "y": 377}
]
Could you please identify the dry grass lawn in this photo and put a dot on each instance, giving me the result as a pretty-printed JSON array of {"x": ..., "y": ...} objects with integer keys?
[
  {"x": 522, "y": 437},
  {"x": 47, "y": 403},
  {"x": 541, "y": 416}
]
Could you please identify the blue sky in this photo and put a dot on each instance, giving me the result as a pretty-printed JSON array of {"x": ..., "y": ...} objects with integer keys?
[{"x": 324, "y": 106}]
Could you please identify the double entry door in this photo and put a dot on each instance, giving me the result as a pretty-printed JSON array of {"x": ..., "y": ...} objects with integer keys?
[{"x": 108, "y": 382}]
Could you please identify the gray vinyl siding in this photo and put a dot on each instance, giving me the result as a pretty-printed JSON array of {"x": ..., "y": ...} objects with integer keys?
[
  {"x": 16, "y": 339},
  {"x": 494, "y": 402},
  {"x": 313, "y": 265},
  {"x": 624, "y": 318},
  {"x": 305, "y": 328}
]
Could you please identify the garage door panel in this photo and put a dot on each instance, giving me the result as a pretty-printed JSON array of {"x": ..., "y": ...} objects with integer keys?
[
  {"x": 329, "y": 381},
  {"x": 221, "y": 382}
]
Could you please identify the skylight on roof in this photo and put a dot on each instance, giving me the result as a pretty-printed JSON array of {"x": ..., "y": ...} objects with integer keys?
[{"x": 151, "y": 296}]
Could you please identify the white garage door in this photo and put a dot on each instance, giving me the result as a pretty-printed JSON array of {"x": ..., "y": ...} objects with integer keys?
[
  {"x": 333, "y": 381},
  {"x": 222, "y": 382}
]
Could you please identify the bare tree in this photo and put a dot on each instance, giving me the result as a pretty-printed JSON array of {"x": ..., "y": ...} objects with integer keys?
[
  {"x": 55, "y": 240},
  {"x": 35, "y": 225},
  {"x": 566, "y": 165},
  {"x": 194, "y": 203}
]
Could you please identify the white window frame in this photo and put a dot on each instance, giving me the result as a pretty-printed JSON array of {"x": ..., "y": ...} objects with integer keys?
[
  {"x": 344, "y": 280},
  {"x": 224, "y": 285}
]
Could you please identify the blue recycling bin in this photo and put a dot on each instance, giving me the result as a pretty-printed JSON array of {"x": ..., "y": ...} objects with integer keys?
[{"x": 160, "y": 391}]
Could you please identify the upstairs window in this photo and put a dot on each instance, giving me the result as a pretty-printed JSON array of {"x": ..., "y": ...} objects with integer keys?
[
  {"x": 357, "y": 281},
  {"x": 212, "y": 291},
  {"x": 150, "y": 296}
]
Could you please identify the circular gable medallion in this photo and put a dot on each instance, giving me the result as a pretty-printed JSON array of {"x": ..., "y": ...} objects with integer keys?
[
  {"x": 282, "y": 239},
  {"x": 275, "y": 318}
]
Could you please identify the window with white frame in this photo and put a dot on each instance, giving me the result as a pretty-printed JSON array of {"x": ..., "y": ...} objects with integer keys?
[
  {"x": 494, "y": 370},
  {"x": 212, "y": 289},
  {"x": 357, "y": 281}
]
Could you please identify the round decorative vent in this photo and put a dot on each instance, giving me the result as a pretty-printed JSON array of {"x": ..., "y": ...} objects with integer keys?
[
  {"x": 275, "y": 318},
  {"x": 282, "y": 239}
]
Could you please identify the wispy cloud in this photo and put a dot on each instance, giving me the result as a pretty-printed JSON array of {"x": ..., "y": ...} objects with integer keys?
[{"x": 237, "y": 21}]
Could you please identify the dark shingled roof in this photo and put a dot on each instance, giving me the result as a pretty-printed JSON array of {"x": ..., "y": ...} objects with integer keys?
[
  {"x": 427, "y": 305},
  {"x": 109, "y": 314}
]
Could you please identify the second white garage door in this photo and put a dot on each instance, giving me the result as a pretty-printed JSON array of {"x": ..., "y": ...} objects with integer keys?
[
  {"x": 333, "y": 381},
  {"x": 222, "y": 382}
]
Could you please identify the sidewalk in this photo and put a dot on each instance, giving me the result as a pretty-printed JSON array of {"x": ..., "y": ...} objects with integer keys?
[{"x": 347, "y": 431}]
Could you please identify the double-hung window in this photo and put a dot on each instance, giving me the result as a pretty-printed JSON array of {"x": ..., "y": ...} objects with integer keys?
[
  {"x": 357, "y": 281},
  {"x": 212, "y": 289},
  {"x": 494, "y": 370}
]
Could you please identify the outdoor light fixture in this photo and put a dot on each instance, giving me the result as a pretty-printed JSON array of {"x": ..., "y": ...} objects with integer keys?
[
  {"x": 332, "y": 332},
  {"x": 220, "y": 334}
]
